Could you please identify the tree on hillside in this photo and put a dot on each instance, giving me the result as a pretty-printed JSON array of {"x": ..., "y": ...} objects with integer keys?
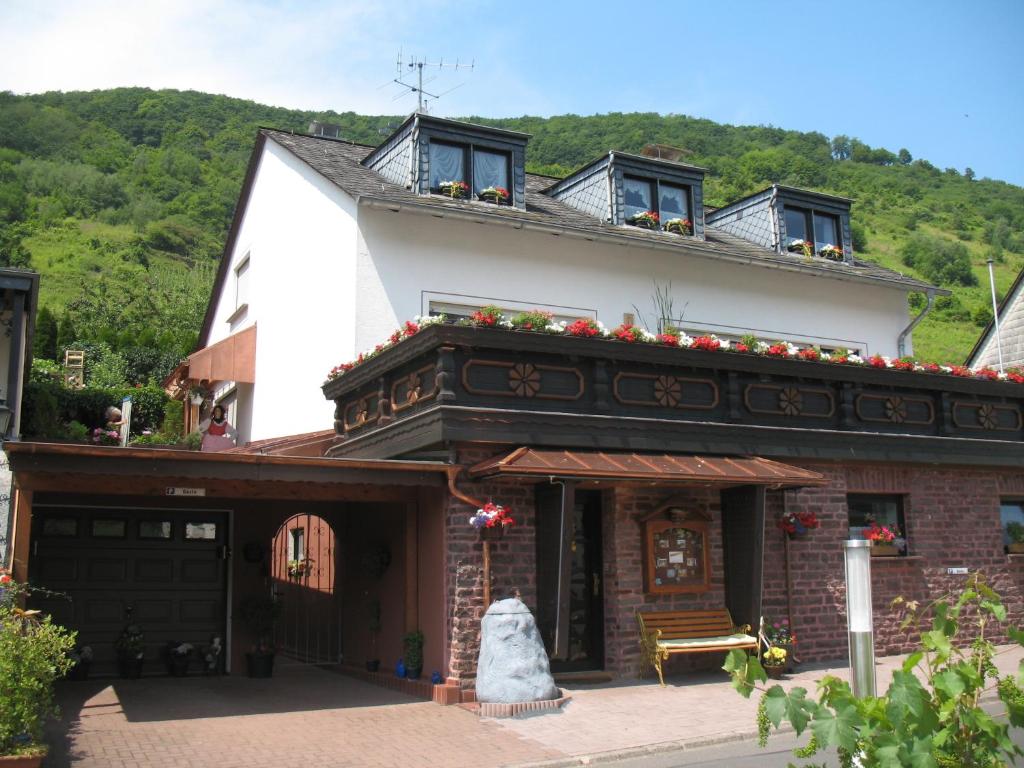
[
  {"x": 44, "y": 343},
  {"x": 939, "y": 260},
  {"x": 841, "y": 148},
  {"x": 969, "y": 174},
  {"x": 905, "y": 156}
]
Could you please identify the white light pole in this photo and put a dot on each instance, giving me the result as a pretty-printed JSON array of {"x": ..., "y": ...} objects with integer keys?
[
  {"x": 995, "y": 314},
  {"x": 857, "y": 554}
]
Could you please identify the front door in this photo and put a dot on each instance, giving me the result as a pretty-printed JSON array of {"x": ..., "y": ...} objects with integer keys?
[{"x": 585, "y": 618}]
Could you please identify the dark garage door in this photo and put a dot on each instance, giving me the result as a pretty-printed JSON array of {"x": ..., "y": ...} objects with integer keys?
[{"x": 166, "y": 564}]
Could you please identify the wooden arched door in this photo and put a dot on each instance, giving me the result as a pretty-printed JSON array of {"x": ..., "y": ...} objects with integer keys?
[{"x": 304, "y": 567}]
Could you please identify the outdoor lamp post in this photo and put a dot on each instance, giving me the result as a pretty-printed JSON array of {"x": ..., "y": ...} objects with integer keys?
[{"x": 858, "y": 616}]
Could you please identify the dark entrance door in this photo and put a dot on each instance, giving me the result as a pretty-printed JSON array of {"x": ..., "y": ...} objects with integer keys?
[
  {"x": 167, "y": 565},
  {"x": 585, "y": 602}
]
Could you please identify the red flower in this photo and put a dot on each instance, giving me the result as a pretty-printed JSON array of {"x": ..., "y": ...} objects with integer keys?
[
  {"x": 962, "y": 370},
  {"x": 931, "y": 368},
  {"x": 809, "y": 353},
  {"x": 379, "y": 348},
  {"x": 627, "y": 333},
  {"x": 903, "y": 365},
  {"x": 1015, "y": 376},
  {"x": 707, "y": 343},
  {"x": 395, "y": 337},
  {"x": 739, "y": 346},
  {"x": 583, "y": 327},
  {"x": 778, "y": 350},
  {"x": 410, "y": 328},
  {"x": 668, "y": 339},
  {"x": 987, "y": 373},
  {"x": 877, "y": 361}
]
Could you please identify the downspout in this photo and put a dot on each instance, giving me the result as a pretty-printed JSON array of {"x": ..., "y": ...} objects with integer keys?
[
  {"x": 611, "y": 188},
  {"x": 901, "y": 340}
]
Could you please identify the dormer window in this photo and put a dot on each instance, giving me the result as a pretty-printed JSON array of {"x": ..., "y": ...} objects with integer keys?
[
  {"x": 480, "y": 169},
  {"x": 669, "y": 201},
  {"x": 803, "y": 224}
]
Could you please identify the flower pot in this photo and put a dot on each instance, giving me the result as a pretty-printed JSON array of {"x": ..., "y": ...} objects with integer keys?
[
  {"x": 494, "y": 199},
  {"x": 259, "y": 664},
  {"x": 80, "y": 671},
  {"x": 22, "y": 761},
  {"x": 413, "y": 673},
  {"x": 492, "y": 533},
  {"x": 884, "y": 550},
  {"x": 129, "y": 668},
  {"x": 373, "y": 666},
  {"x": 1015, "y": 549},
  {"x": 644, "y": 224},
  {"x": 775, "y": 671}
]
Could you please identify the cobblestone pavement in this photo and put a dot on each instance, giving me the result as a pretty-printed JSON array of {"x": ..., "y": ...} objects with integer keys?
[{"x": 306, "y": 716}]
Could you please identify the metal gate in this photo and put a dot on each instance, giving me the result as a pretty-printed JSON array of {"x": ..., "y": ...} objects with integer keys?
[{"x": 304, "y": 567}]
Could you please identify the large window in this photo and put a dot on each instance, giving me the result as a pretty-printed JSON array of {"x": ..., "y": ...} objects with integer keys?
[
  {"x": 479, "y": 168},
  {"x": 667, "y": 200},
  {"x": 884, "y": 509},
  {"x": 820, "y": 228}
]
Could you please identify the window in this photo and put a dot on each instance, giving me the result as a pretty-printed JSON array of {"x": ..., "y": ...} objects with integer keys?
[
  {"x": 200, "y": 531},
  {"x": 108, "y": 529},
  {"x": 669, "y": 201},
  {"x": 242, "y": 283},
  {"x": 1010, "y": 512},
  {"x": 883, "y": 509},
  {"x": 486, "y": 167},
  {"x": 154, "y": 529},
  {"x": 60, "y": 526},
  {"x": 298, "y": 544},
  {"x": 803, "y": 224}
]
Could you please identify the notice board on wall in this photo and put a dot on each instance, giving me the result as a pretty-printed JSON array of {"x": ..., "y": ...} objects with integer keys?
[{"x": 676, "y": 556}]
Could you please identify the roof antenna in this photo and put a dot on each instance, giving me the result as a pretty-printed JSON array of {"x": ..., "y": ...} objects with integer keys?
[{"x": 406, "y": 67}]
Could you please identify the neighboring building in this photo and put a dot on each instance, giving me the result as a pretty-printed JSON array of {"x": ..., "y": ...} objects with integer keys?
[
  {"x": 1011, "y": 333},
  {"x": 607, "y": 452},
  {"x": 19, "y": 293}
]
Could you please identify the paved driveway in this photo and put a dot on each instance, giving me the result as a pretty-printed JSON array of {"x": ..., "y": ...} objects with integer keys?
[{"x": 303, "y": 716}]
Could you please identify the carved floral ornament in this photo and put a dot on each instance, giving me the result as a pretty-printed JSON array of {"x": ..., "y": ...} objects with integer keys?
[
  {"x": 668, "y": 391},
  {"x": 791, "y": 401},
  {"x": 987, "y": 417},
  {"x": 895, "y": 409},
  {"x": 524, "y": 379}
]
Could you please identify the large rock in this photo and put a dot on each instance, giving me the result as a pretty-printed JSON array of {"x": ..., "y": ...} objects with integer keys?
[{"x": 513, "y": 665}]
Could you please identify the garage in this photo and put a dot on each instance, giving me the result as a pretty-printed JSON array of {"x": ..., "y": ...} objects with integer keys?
[{"x": 164, "y": 567}]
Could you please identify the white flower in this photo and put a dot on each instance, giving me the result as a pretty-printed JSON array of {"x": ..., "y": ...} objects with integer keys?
[
  {"x": 825, "y": 356},
  {"x": 424, "y": 320},
  {"x": 761, "y": 347},
  {"x": 855, "y": 359},
  {"x": 685, "y": 341},
  {"x": 647, "y": 336},
  {"x": 505, "y": 323}
]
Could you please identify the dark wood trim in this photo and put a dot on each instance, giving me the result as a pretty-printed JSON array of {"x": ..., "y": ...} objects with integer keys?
[
  {"x": 974, "y": 424},
  {"x": 537, "y": 394},
  {"x": 786, "y": 387},
  {"x": 415, "y": 395},
  {"x": 894, "y": 397},
  {"x": 682, "y": 380},
  {"x": 16, "y": 366}
]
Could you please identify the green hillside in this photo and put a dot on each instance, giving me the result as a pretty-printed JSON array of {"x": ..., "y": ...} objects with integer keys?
[{"x": 122, "y": 198}]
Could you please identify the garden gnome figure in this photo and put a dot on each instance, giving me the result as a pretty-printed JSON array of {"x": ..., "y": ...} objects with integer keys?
[{"x": 513, "y": 665}]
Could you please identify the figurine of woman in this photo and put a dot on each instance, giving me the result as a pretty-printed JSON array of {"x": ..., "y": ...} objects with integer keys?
[{"x": 218, "y": 434}]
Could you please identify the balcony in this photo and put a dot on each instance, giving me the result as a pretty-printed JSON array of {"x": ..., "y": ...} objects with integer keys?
[{"x": 463, "y": 384}]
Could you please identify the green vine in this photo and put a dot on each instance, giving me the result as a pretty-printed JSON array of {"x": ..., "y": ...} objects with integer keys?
[{"x": 763, "y": 723}]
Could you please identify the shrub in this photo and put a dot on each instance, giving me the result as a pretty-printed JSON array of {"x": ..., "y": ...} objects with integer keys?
[
  {"x": 939, "y": 260},
  {"x": 34, "y": 652},
  {"x": 47, "y": 407}
]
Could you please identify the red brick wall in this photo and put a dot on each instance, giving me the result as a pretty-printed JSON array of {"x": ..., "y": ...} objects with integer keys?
[{"x": 952, "y": 519}]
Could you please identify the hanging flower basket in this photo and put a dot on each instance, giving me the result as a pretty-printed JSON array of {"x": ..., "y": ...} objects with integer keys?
[
  {"x": 797, "y": 524},
  {"x": 491, "y": 521}
]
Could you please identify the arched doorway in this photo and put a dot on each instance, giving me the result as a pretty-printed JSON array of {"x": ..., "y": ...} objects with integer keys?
[{"x": 304, "y": 567}]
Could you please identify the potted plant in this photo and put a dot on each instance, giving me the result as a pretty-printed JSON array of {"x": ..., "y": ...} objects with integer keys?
[
  {"x": 774, "y": 661},
  {"x": 798, "y": 523},
  {"x": 178, "y": 656},
  {"x": 259, "y": 612},
  {"x": 130, "y": 648},
  {"x": 491, "y": 521},
  {"x": 373, "y": 625},
  {"x": 81, "y": 660},
  {"x": 831, "y": 252},
  {"x": 645, "y": 219},
  {"x": 496, "y": 195},
  {"x": 679, "y": 226},
  {"x": 777, "y": 634},
  {"x": 456, "y": 190},
  {"x": 34, "y": 653},
  {"x": 882, "y": 538},
  {"x": 299, "y": 568},
  {"x": 1016, "y": 532},
  {"x": 412, "y": 646}
]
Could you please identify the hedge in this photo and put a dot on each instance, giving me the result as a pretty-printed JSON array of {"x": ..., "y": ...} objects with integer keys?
[{"x": 47, "y": 408}]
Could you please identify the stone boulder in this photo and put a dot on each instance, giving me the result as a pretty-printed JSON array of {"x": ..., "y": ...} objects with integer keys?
[{"x": 513, "y": 665}]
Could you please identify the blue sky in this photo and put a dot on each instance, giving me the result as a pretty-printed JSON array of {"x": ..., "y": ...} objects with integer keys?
[{"x": 943, "y": 79}]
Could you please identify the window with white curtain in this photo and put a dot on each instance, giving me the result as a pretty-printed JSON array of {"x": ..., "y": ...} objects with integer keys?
[
  {"x": 478, "y": 167},
  {"x": 490, "y": 169},
  {"x": 447, "y": 163}
]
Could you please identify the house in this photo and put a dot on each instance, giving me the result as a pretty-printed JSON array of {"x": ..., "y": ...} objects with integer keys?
[
  {"x": 641, "y": 471},
  {"x": 1011, "y": 333}
]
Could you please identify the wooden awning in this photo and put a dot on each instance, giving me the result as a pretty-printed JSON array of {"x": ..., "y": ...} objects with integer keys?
[
  {"x": 656, "y": 467},
  {"x": 230, "y": 359}
]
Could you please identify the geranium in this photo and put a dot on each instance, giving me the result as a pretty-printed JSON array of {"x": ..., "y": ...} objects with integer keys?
[
  {"x": 877, "y": 361},
  {"x": 801, "y": 246},
  {"x": 495, "y": 194},
  {"x": 881, "y": 534},
  {"x": 456, "y": 190},
  {"x": 931, "y": 368},
  {"x": 1015, "y": 376},
  {"x": 488, "y": 316},
  {"x": 796, "y": 523},
  {"x": 680, "y": 226},
  {"x": 410, "y": 328},
  {"x": 644, "y": 219},
  {"x": 707, "y": 343},
  {"x": 961, "y": 370},
  {"x": 780, "y": 349},
  {"x": 831, "y": 252},
  {"x": 904, "y": 364},
  {"x": 106, "y": 436},
  {"x": 534, "y": 320},
  {"x": 987, "y": 373},
  {"x": 628, "y": 333},
  {"x": 584, "y": 327},
  {"x": 739, "y": 346},
  {"x": 492, "y": 516},
  {"x": 809, "y": 353},
  {"x": 669, "y": 339}
]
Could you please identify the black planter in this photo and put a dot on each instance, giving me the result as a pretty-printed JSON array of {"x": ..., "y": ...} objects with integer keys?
[
  {"x": 129, "y": 668},
  {"x": 373, "y": 666},
  {"x": 413, "y": 673},
  {"x": 178, "y": 665},
  {"x": 80, "y": 671},
  {"x": 259, "y": 664}
]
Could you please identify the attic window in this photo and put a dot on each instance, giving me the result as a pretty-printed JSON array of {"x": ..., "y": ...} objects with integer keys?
[
  {"x": 477, "y": 167},
  {"x": 669, "y": 201},
  {"x": 806, "y": 224}
]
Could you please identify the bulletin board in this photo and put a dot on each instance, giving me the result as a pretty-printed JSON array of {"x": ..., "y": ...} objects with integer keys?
[{"x": 676, "y": 556}]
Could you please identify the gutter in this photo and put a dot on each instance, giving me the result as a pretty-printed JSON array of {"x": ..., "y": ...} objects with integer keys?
[
  {"x": 901, "y": 340},
  {"x": 382, "y": 204}
]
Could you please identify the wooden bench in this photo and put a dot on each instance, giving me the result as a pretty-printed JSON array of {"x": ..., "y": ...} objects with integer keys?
[{"x": 663, "y": 633}]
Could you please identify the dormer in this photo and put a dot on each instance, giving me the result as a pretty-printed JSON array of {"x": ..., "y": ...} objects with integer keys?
[
  {"x": 462, "y": 161},
  {"x": 620, "y": 188},
  {"x": 790, "y": 219}
]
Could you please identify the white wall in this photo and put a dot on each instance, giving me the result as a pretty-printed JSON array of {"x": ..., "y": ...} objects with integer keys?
[
  {"x": 300, "y": 232},
  {"x": 403, "y": 256}
]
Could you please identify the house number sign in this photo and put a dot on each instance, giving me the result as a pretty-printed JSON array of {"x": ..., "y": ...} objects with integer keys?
[{"x": 179, "y": 491}]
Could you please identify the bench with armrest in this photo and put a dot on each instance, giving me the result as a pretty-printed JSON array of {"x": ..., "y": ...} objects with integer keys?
[{"x": 663, "y": 633}]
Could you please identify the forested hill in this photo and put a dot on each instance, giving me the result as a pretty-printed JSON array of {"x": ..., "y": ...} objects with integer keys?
[{"x": 122, "y": 198}]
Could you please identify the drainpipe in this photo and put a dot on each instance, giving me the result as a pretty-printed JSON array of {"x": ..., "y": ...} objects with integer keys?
[{"x": 901, "y": 340}]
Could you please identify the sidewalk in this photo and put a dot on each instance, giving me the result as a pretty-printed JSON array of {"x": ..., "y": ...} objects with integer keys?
[{"x": 639, "y": 717}]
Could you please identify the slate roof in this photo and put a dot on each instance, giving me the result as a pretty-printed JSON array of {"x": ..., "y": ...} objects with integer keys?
[{"x": 340, "y": 162}]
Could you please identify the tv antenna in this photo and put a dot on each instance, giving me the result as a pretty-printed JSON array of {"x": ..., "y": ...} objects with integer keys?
[{"x": 414, "y": 66}]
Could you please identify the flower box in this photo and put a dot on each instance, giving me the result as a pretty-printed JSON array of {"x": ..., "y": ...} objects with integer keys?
[
  {"x": 832, "y": 253},
  {"x": 456, "y": 190},
  {"x": 495, "y": 195},
  {"x": 884, "y": 550},
  {"x": 1015, "y": 549},
  {"x": 679, "y": 226},
  {"x": 645, "y": 220},
  {"x": 802, "y": 247}
]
